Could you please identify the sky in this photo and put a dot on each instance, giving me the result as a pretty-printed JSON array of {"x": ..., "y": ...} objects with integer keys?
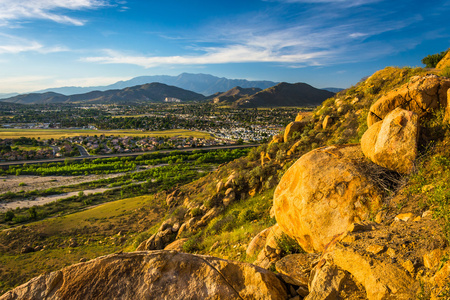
[{"x": 325, "y": 43}]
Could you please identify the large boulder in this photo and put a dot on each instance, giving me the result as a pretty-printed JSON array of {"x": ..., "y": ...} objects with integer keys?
[
  {"x": 154, "y": 275},
  {"x": 392, "y": 143},
  {"x": 291, "y": 128},
  {"x": 324, "y": 192},
  {"x": 422, "y": 95}
]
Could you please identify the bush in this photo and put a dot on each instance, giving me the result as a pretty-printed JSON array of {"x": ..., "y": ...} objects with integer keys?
[
  {"x": 9, "y": 216},
  {"x": 288, "y": 245},
  {"x": 432, "y": 60}
]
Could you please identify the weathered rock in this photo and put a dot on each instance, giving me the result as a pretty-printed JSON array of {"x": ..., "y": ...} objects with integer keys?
[
  {"x": 322, "y": 194},
  {"x": 231, "y": 181},
  {"x": 270, "y": 252},
  {"x": 327, "y": 122},
  {"x": 422, "y": 94},
  {"x": 380, "y": 279},
  {"x": 299, "y": 117},
  {"x": 432, "y": 259},
  {"x": 291, "y": 128},
  {"x": 294, "y": 148},
  {"x": 392, "y": 143},
  {"x": 257, "y": 243},
  {"x": 375, "y": 249},
  {"x": 26, "y": 249},
  {"x": 444, "y": 62},
  {"x": 276, "y": 139},
  {"x": 404, "y": 217},
  {"x": 326, "y": 283},
  {"x": 172, "y": 198},
  {"x": 219, "y": 187},
  {"x": 176, "y": 245},
  {"x": 442, "y": 277},
  {"x": 157, "y": 241},
  {"x": 160, "y": 274},
  {"x": 297, "y": 266},
  {"x": 210, "y": 214}
]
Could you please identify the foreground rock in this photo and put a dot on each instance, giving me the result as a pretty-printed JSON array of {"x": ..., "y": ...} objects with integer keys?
[
  {"x": 322, "y": 194},
  {"x": 421, "y": 95},
  {"x": 154, "y": 275},
  {"x": 392, "y": 143}
]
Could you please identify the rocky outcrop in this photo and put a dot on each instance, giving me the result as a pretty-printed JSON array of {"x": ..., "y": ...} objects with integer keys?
[
  {"x": 322, "y": 194},
  {"x": 258, "y": 242},
  {"x": 422, "y": 95},
  {"x": 146, "y": 275},
  {"x": 444, "y": 62},
  {"x": 291, "y": 128},
  {"x": 392, "y": 143},
  {"x": 270, "y": 252}
]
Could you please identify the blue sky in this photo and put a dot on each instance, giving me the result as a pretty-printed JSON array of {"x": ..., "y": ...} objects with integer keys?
[{"x": 326, "y": 43}]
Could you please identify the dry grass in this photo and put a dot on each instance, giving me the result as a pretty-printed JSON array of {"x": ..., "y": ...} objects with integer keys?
[{"x": 59, "y": 133}]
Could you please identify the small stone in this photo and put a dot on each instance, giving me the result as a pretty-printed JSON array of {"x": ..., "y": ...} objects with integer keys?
[
  {"x": 380, "y": 217},
  {"x": 408, "y": 265},
  {"x": 404, "y": 217},
  {"x": 417, "y": 219},
  {"x": 26, "y": 249},
  {"x": 83, "y": 259},
  {"x": 302, "y": 291},
  {"x": 375, "y": 249},
  {"x": 427, "y": 188},
  {"x": 427, "y": 214},
  {"x": 432, "y": 259},
  {"x": 390, "y": 252},
  {"x": 348, "y": 239}
]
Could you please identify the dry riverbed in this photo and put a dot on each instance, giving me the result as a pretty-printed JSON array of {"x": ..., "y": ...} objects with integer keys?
[{"x": 11, "y": 183}]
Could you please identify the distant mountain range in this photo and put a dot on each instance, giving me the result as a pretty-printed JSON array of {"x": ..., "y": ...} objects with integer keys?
[
  {"x": 285, "y": 94},
  {"x": 200, "y": 83},
  {"x": 151, "y": 92}
]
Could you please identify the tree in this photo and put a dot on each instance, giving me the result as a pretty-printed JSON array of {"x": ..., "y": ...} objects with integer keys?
[
  {"x": 432, "y": 60},
  {"x": 32, "y": 212}
]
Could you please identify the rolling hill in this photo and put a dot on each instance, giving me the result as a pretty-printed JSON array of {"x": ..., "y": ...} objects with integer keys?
[
  {"x": 151, "y": 92},
  {"x": 285, "y": 94}
]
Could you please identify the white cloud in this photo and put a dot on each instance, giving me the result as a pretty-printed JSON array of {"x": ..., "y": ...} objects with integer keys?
[
  {"x": 22, "y": 84},
  {"x": 45, "y": 9},
  {"x": 10, "y": 44}
]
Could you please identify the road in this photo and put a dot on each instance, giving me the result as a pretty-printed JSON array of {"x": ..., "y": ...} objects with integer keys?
[
  {"x": 52, "y": 160},
  {"x": 83, "y": 151}
]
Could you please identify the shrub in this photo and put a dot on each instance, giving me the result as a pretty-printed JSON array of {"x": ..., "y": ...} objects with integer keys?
[
  {"x": 22, "y": 184},
  {"x": 432, "y": 60},
  {"x": 288, "y": 245},
  {"x": 9, "y": 216},
  {"x": 196, "y": 212}
]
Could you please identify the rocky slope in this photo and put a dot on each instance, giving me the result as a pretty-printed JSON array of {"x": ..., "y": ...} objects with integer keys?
[{"x": 370, "y": 218}]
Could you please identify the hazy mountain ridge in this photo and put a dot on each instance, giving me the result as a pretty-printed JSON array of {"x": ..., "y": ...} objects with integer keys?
[
  {"x": 151, "y": 92},
  {"x": 200, "y": 83}
]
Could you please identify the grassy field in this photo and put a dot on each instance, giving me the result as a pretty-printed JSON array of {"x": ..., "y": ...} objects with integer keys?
[
  {"x": 101, "y": 230},
  {"x": 58, "y": 133}
]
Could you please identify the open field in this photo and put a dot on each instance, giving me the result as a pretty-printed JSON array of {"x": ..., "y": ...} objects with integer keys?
[{"x": 58, "y": 133}]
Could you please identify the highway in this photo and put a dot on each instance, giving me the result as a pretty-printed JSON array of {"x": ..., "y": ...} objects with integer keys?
[{"x": 62, "y": 159}]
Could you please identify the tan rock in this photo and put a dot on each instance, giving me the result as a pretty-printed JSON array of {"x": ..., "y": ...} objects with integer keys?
[
  {"x": 219, "y": 186},
  {"x": 258, "y": 242},
  {"x": 404, "y": 217},
  {"x": 432, "y": 259},
  {"x": 299, "y": 117},
  {"x": 326, "y": 283},
  {"x": 375, "y": 249},
  {"x": 270, "y": 252},
  {"x": 292, "y": 128},
  {"x": 176, "y": 245},
  {"x": 380, "y": 279},
  {"x": 409, "y": 266},
  {"x": 442, "y": 277},
  {"x": 276, "y": 139},
  {"x": 231, "y": 181},
  {"x": 326, "y": 122},
  {"x": 210, "y": 214},
  {"x": 294, "y": 148},
  {"x": 444, "y": 62},
  {"x": 144, "y": 275},
  {"x": 392, "y": 143},
  {"x": 391, "y": 252},
  {"x": 422, "y": 94},
  {"x": 322, "y": 194},
  {"x": 297, "y": 266}
]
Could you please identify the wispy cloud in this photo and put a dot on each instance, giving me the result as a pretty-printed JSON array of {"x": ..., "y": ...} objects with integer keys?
[
  {"x": 10, "y": 44},
  {"x": 339, "y": 31},
  {"x": 11, "y": 10}
]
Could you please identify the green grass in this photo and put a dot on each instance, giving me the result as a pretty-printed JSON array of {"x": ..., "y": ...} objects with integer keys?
[
  {"x": 96, "y": 231},
  {"x": 59, "y": 133}
]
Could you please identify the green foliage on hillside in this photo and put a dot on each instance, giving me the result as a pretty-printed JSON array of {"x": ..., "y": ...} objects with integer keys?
[{"x": 432, "y": 60}]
